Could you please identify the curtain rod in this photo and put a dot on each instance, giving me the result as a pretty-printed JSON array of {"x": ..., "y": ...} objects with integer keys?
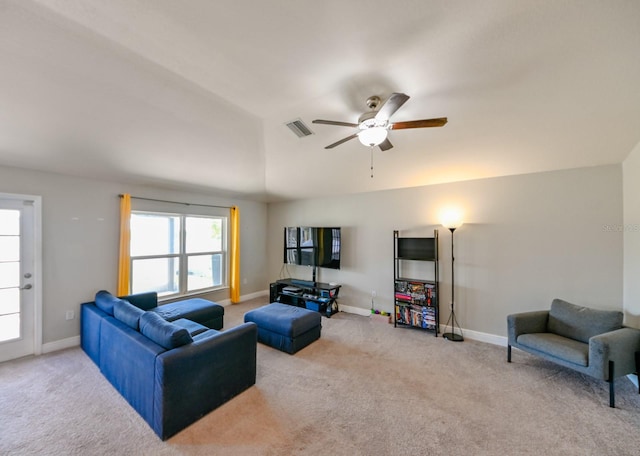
[{"x": 176, "y": 202}]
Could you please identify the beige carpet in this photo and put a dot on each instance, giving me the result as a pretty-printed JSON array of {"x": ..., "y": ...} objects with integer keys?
[{"x": 364, "y": 388}]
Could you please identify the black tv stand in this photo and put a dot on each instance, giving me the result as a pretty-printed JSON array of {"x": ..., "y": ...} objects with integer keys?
[{"x": 313, "y": 295}]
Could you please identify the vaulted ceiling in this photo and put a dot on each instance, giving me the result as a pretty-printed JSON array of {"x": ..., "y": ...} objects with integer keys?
[{"x": 196, "y": 94}]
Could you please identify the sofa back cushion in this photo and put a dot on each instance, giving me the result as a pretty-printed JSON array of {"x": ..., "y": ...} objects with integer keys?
[
  {"x": 105, "y": 301},
  {"x": 127, "y": 313},
  {"x": 162, "y": 332},
  {"x": 581, "y": 323}
]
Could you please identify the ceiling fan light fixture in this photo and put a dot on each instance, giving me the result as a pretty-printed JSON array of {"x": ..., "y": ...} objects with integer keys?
[{"x": 372, "y": 136}]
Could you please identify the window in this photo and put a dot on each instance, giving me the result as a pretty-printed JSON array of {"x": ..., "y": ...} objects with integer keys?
[{"x": 177, "y": 254}]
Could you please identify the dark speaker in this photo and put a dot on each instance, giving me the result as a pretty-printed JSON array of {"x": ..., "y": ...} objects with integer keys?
[{"x": 273, "y": 292}]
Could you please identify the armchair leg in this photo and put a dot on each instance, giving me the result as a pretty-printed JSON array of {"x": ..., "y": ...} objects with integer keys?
[
  {"x": 508, "y": 353},
  {"x": 612, "y": 396}
]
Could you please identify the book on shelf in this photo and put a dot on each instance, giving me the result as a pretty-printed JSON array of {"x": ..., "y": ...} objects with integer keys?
[{"x": 418, "y": 316}]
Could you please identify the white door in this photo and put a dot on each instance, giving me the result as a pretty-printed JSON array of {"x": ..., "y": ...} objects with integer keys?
[{"x": 19, "y": 315}]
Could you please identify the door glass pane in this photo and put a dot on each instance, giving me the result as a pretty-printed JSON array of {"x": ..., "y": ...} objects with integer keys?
[
  {"x": 9, "y": 248},
  {"x": 204, "y": 271},
  {"x": 9, "y": 327},
  {"x": 154, "y": 234},
  {"x": 203, "y": 234},
  {"x": 9, "y": 301},
  {"x": 9, "y": 222},
  {"x": 10, "y": 274},
  {"x": 157, "y": 274}
]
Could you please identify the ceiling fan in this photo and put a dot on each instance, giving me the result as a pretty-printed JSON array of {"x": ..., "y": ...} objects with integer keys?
[{"x": 374, "y": 125}]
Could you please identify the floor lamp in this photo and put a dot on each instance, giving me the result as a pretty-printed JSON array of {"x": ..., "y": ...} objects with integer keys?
[{"x": 453, "y": 336}]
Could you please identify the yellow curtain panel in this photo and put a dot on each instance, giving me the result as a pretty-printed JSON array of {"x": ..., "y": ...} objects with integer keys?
[
  {"x": 234, "y": 256},
  {"x": 124, "y": 264}
]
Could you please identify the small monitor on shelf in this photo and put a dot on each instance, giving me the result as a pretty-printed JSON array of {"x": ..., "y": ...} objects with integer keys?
[{"x": 416, "y": 248}]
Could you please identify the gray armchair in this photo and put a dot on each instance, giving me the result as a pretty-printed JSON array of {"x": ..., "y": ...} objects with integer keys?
[{"x": 590, "y": 341}]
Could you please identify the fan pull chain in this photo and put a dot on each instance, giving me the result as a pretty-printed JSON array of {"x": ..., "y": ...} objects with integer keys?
[{"x": 371, "y": 162}]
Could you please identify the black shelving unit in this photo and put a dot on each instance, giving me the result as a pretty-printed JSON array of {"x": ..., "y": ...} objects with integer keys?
[{"x": 416, "y": 299}]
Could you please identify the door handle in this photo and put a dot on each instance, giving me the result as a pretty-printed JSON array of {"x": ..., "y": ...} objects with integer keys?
[{"x": 27, "y": 287}]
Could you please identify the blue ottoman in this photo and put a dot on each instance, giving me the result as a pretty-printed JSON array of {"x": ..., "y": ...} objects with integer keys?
[
  {"x": 200, "y": 310},
  {"x": 284, "y": 327}
]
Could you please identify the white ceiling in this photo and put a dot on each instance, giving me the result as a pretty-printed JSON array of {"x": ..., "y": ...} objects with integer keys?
[{"x": 194, "y": 94}]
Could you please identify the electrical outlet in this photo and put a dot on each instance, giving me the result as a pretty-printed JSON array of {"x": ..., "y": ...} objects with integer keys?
[
  {"x": 373, "y": 293},
  {"x": 69, "y": 315}
]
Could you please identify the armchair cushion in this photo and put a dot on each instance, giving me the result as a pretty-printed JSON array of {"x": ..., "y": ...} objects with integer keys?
[
  {"x": 581, "y": 323},
  {"x": 569, "y": 350}
]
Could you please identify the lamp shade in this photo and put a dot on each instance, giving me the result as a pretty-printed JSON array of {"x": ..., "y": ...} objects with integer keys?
[
  {"x": 451, "y": 219},
  {"x": 372, "y": 136}
]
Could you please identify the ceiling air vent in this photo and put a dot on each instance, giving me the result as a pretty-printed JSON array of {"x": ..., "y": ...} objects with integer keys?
[{"x": 299, "y": 128}]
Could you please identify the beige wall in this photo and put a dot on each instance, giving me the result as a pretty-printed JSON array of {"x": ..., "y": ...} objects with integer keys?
[
  {"x": 631, "y": 233},
  {"x": 80, "y": 220},
  {"x": 526, "y": 240}
]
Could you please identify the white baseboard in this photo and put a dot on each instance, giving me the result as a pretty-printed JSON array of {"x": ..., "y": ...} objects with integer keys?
[
  {"x": 467, "y": 333},
  {"x": 61, "y": 344},
  {"x": 481, "y": 337},
  {"x": 354, "y": 310},
  {"x": 243, "y": 298}
]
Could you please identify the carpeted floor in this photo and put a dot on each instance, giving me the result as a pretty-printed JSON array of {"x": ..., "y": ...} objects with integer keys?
[{"x": 364, "y": 388}]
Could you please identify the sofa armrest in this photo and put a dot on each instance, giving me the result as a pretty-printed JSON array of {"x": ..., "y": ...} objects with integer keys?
[
  {"x": 145, "y": 301},
  {"x": 618, "y": 346},
  {"x": 194, "y": 379},
  {"x": 526, "y": 323}
]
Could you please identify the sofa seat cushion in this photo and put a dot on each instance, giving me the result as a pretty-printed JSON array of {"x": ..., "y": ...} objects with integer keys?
[
  {"x": 162, "y": 332},
  {"x": 196, "y": 309},
  {"x": 581, "y": 323},
  {"x": 209, "y": 333},
  {"x": 127, "y": 313},
  {"x": 191, "y": 326},
  {"x": 557, "y": 346}
]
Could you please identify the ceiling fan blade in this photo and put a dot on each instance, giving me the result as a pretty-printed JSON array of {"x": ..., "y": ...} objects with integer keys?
[
  {"x": 385, "y": 145},
  {"x": 344, "y": 140},
  {"x": 333, "y": 122},
  {"x": 390, "y": 106},
  {"x": 439, "y": 122}
]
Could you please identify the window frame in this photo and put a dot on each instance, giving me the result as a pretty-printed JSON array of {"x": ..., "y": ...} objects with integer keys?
[{"x": 183, "y": 257}]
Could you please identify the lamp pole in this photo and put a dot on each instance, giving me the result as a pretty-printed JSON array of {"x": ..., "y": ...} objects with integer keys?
[{"x": 452, "y": 336}]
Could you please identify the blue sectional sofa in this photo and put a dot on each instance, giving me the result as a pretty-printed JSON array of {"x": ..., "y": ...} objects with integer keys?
[{"x": 171, "y": 373}]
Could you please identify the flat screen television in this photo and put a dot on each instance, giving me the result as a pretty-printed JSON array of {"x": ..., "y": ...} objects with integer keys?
[{"x": 312, "y": 246}]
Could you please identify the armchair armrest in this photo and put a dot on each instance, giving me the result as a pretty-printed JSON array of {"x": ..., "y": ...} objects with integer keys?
[
  {"x": 526, "y": 323},
  {"x": 618, "y": 346}
]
